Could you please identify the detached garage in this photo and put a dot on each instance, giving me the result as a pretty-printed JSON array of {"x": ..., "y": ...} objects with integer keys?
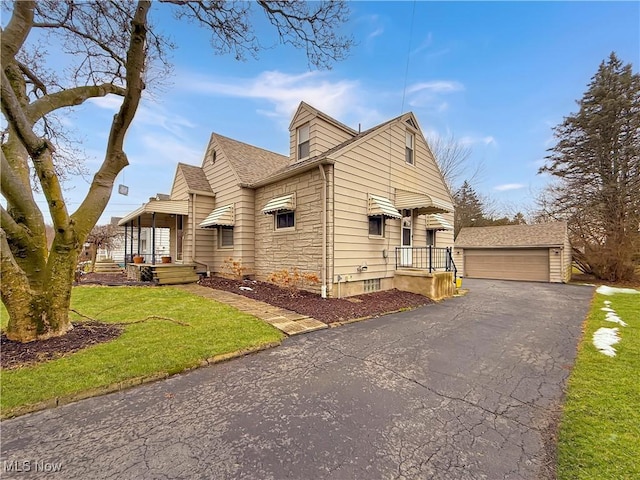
[{"x": 538, "y": 253}]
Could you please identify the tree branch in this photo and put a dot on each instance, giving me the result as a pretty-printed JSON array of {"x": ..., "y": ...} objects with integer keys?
[
  {"x": 16, "y": 193},
  {"x": 69, "y": 98},
  {"x": 115, "y": 158},
  {"x": 14, "y": 35},
  {"x": 39, "y": 150}
]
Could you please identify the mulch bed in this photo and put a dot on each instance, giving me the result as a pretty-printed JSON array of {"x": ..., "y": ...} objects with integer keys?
[
  {"x": 328, "y": 310},
  {"x": 83, "y": 335},
  {"x": 110, "y": 279}
]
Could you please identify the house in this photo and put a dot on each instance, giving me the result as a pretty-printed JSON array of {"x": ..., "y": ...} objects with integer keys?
[
  {"x": 539, "y": 252},
  {"x": 359, "y": 209}
]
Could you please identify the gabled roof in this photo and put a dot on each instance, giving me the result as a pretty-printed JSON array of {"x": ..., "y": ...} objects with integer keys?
[
  {"x": 536, "y": 235},
  {"x": 251, "y": 164},
  {"x": 325, "y": 157},
  {"x": 322, "y": 115},
  {"x": 195, "y": 177}
]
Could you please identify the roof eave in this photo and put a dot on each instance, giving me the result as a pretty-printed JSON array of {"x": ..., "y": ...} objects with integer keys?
[{"x": 289, "y": 173}]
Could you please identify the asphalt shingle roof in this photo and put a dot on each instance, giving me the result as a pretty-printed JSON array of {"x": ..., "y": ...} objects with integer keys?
[
  {"x": 250, "y": 163},
  {"x": 195, "y": 177},
  {"x": 539, "y": 234}
]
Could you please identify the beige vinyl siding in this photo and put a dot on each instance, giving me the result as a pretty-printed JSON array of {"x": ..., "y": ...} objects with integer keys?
[
  {"x": 204, "y": 237},
  {"x": 323, "y": 135},
  {"x": 301, "y": 246},
  {"x": 567, "y": 258},
  {"x": 556, "y": 267},
  {"x": 377, "y": 165},
  {"x": 225, "y": 183},
  {"x": 179, "y": 190}
]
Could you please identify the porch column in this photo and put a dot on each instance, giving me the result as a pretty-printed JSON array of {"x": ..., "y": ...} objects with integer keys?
[
  {"x": 131, "y": 233},
  {"x": 153, "y": 238},
  {"x": 139, "y": 234},
  {"x": 125, "y": 245}
]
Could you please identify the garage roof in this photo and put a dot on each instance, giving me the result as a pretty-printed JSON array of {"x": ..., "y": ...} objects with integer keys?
[{"x": 536, "y": 235}]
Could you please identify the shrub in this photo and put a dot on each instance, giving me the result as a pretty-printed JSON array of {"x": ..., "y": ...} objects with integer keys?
[{"x": 233, "y": 268}]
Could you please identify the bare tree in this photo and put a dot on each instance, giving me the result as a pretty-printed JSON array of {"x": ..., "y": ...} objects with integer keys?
[
  {"x": 112, "y": 48},
  {"x": 103, "y": 236},
  {"x": 452, "y": 157}
]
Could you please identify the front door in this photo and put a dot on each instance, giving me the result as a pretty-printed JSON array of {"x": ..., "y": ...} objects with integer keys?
[{"x": 407, "y": 234}]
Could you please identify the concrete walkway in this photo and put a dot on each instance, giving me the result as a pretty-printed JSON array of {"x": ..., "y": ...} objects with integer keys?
[{"x": 291, "y": 323}]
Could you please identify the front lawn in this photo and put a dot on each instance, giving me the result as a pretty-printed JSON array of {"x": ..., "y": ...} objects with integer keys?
[
  {"x": 154, "y": 347},
  {"x": 599, "y": 434}
]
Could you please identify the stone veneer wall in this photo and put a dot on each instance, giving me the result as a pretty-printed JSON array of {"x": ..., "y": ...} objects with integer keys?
[{"x": 300, "y": 247}]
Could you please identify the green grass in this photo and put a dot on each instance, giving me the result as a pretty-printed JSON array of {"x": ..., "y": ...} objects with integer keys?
[
  {"x": 143, "y": 349},
  {"x": 599, "y": 434}
]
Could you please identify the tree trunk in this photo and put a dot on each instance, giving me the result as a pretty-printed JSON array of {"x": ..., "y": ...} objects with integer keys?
[{"x": 39, "y": 313}]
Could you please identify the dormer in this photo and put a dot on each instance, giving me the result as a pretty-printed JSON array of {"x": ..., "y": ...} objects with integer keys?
[{"x": 312, "y": 133}]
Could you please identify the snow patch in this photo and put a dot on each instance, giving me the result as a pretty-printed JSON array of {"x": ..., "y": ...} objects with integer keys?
[
  {"x": 613, "y": 317},
  {"x": 604, "y": 339},
  {"x": 606, "y": 290},
  {"x": 607, "y": 309}
]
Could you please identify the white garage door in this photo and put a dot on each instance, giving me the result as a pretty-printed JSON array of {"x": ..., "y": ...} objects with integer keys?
[{"x": 530, "y": 264}]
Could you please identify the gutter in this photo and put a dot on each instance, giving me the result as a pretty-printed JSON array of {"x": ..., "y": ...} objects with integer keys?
[
  {"x": 324, "y": 231},
  {"x": 303, "y": 167}
]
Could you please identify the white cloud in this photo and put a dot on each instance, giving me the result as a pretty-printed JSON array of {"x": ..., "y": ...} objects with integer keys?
[
  {"x": 160, "y": 149},
  {"x": 376, "y": 33},
  {"x": 343, "y": 99},
  {"x": 110, "y": 102},
  {"x": 487, "y": 140},
  {"x": 509, "y": 186},
  {"x": 426, "y": 43},
  {"x": 428, "y": 94},
  {"x": 436, "y": 86},
  {"x": 149, "y": 114}
]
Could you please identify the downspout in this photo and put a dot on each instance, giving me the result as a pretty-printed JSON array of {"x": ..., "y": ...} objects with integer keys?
[{"x": 324, "y": 231}]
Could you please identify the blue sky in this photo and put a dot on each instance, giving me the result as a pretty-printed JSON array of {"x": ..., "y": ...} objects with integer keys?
[{"x": 497, "y": 75}]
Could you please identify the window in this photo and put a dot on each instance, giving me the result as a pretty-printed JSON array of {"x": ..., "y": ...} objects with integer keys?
[
  {"x": 431, "y": 238},
  {"x": 226, "y": 237},
  {"x": 376, "y": 225},
  {"x": 303, "y": 142},
  {"x": 213, "y": 157},
  {"x": 285, "y": 219},
  {"x": 372, "y": 285},
  {"x": 409, "y": 148}
]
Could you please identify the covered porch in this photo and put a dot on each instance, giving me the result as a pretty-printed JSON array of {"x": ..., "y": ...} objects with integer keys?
[
  {"x": 157, "y": 214},
  {"x": 144, "y": 260}
]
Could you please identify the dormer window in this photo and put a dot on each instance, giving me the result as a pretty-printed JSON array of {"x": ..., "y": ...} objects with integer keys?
[
  {"x": 303, "y": 142},
  {"x": 409, "y": 143}
]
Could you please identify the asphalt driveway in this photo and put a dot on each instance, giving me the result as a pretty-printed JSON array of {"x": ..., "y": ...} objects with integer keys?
[{"x": 466, "y": 389}]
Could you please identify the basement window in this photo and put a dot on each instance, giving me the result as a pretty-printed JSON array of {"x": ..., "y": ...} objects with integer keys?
[{"x": 372, "y": 285}]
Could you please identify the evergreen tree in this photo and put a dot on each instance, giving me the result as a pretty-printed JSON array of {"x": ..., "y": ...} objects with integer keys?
[
  {"x": 596, "y": 164},
  {"x": 469, "y": 209}
]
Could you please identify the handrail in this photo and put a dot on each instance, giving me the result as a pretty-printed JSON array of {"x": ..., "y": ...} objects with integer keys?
[{"x": 427, "y": 258}]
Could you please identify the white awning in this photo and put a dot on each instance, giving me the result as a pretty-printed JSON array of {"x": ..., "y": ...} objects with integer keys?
[
  {"x": 438, "y": 222},
  {"x": 222, "y": 216},
  {"x": 421, "y": 202},
  {"x": 172, "y": 207},
  {"x": 382, "y": 206},
  {"x": 288, "y": 202}
]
